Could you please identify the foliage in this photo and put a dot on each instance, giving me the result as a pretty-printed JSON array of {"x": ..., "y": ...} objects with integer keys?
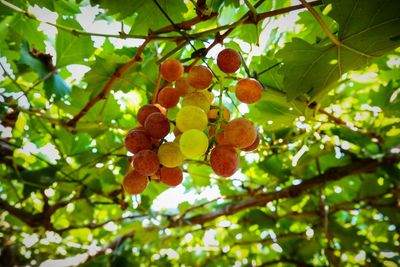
[{"x": 322, "y": 189}]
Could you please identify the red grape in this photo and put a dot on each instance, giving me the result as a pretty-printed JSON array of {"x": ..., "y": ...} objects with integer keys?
[
  {"x": 171, "y": 176},
  {"x": 157, "y": 125},
  {"x": 253, "y": 146},
  {"x": 224, "y": 160},
  {"x": 168, "y": 97},
  {"x": 248, "y": 90},
  {"x": 228, "y": 60},
  {"x": 146, "y": 162},
  {"x": 200, "y": 77},
  {"x": 240, "y": 132},
  {"x": 171, "y": 69},
  {"x": 145, "y": 111},
  {"x": 134, "y": 183},
  {"x": 137, "y": 140}
]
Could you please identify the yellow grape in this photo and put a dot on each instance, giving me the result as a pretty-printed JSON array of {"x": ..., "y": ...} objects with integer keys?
[
  {"x": 170, "y": 155},
  {"x": 196, "y": 99},
  {"x": 191, "y": 117},
  {"x": 193, "y": 143}
]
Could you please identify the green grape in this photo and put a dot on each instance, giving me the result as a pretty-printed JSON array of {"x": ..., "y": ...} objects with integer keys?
[
  {"x": 191, "y": 117},
  {"x": 170, "y": 155},
  {"x": 193, "y": 143},
  {"x": 197, "y": 99}
]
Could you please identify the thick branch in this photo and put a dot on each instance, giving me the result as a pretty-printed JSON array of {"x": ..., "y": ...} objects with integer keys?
[{"x": 332, "y": 174}]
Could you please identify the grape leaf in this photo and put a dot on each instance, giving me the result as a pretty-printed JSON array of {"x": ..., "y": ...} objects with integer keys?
[
  {"x": 312, "y": 68},
  {"x": 72, "y": 49}
]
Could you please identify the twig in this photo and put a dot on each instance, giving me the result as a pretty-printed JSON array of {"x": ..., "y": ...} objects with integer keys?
[{"x": 107, "y": 87}]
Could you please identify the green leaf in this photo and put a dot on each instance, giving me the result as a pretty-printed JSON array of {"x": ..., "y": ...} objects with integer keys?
[
  {"x": 34, "y": 63},
  {"x": 200, "y": 174},
  {"x": 70, "y": 48},
  {"x": 257, "y": 217},
  {"x": 27, "y": 29},
  {"x": 55, "y": 86},
  {"x": 312, "y": 68}
]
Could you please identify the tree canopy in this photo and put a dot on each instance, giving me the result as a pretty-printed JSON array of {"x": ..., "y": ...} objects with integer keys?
[{"x": 321, "y": 189}]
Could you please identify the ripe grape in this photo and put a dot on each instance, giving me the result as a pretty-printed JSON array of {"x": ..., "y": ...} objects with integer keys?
[
  {"x": 170, "y": 155},
  {"x": 193, "y": 143},
  {"x": 213, "y": 114},
  {"x": 200, "y": 77},
  {"x": 146, "y": 162},
  {"x": 224, "y": 160},
  {"x": 134, "y": 183},
  {"x": 191, "y": 117},
  {"x": 228, "y": 60},
  {"x": 219, "y": 136},
  {"x": 240, "y": 132},
  {"x": 171, "y": 69},
  {"x": 157, "y": 125},
  {"x": 137, "y": 140},
  {"x": 196, "y": 99},
  {"x": 171, "y": 176},
  {"x": 253, "y": 146},
  {"x": 145, "y": 111},
  {"x": 248, "y": 90},
  {"x": 168, "y": 97},
  {"x": 182, "y": 87}
]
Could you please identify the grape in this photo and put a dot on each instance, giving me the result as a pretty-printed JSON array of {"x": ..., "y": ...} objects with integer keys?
[
  {"x": 191, "y": 117},
  {"x": 196, "y": 99},
  {"x": 240, "y": 132},
  {"x": 168, "y": 97},
  {"x": 170, "y": 155},
  {"x": 200, "y": 77},
  {"x": 134, "y": 183},
  {"x": 209, "y": 95},
  {"x": 146, "y": 162},
  {"x": 219, "y": 136},
  {"x": 228, "y": 60},
  {"x": 193, "y": 143},
  {"x": 224, "y": 160},
  {"x": 157, "y": 125},
  {"x": 253, "y": 146},
  {"x": 171, "y": 69},
  {"x": 145, "y": 111},
  {"x": 137, "y": 140},
  {"x": 171, "y": 176},
  {"x": 162, "y": 109},
  {"x": 182, "y": 87},
  {"x": 213, "y": 114},
  {"x": 248, "y": 90}
]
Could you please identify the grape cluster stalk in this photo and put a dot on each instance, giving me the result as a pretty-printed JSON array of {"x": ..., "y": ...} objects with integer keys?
[{"x": 203, "y": 129}]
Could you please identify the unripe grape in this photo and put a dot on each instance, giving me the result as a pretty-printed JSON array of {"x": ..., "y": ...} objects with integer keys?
[
  {"x": 248, "y": 90},
  {"x": 170, "y": 155},
  {"x": 171, "y": 69},
  {"x": 191, "y": 117},
  {"x": 168, "y": 97},
  {"x": 253, "y": 146},
  {"x": 157, "y": 125},
  {"x": 200, "y": 77},
  {"x": 240, "y": 132},
  {"x": 228, "y": 60},
  {"x": 134, "y": 183},
  {"x": 137, "y": 140},
  {"x": 145, "y": 111},
  {"x": 146, "y": 162},
  {"x": 196, "y": 99},
  {"x": 224, "y": 160},
  {"x": 182, "y": 87},
  {"x": 171, "y": 176},
  {"x": 193, "y": 143},
  {"x": 208, "y": 94}
]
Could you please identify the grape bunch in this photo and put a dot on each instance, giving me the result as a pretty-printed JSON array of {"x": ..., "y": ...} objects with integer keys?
[{"x": 203, "y": 129}]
